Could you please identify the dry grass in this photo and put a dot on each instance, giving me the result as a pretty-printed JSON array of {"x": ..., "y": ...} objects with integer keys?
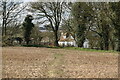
[{"x": 30, "y": 62}]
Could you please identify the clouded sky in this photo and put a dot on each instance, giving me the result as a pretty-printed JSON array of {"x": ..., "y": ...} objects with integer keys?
[{"x": 27, "y": 0}]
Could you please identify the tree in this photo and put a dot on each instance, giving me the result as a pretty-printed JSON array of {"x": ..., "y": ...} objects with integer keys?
[
  {"x": 52, "y": 13},
  {"x": 10, "y": 11},
  {"x": 69, "y": 26},
  {"x": 28, "y": 26},
  {"x": 36, "y": 35},
  {"x": 101, "y": 23},
  {"x": 80, "y": 34},
  {"x": 116, "y": 20},
  {"x": 81, "y": 14}
]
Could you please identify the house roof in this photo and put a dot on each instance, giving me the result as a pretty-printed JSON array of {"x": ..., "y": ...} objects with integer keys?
[{"x": 67, "y": 38}]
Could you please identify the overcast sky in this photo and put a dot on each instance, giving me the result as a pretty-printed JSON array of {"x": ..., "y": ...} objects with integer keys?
[
  {"x": 72, "y": 0},
  {"x": 29, "y": 0}
]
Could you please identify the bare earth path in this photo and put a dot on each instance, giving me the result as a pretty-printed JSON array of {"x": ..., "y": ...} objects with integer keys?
[{"x": 30, "y": 62}]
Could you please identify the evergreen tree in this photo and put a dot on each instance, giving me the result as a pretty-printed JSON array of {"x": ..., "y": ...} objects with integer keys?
[{"x": 28, "y": 26}]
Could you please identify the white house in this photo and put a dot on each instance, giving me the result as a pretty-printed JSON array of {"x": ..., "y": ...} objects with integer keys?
[
  {"x": 65, "y": 39},
  {"x": 68, "y": 40}
]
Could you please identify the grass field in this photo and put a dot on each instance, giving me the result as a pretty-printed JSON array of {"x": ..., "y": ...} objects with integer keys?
[{"x": 32, "y": 62}]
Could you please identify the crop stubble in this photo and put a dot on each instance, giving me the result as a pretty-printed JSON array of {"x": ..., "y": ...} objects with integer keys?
[{"x": 31, "y": 62}]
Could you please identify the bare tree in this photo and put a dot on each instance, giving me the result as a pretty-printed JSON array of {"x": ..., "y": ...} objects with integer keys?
[
  {"x": 10, "y": 11},
  {"x": 52, "y": 11}
]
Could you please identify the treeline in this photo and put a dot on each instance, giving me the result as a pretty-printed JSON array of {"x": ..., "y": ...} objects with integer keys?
[{"x": 97, "y": 22}]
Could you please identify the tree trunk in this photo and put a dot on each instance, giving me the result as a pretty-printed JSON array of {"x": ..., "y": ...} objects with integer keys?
[
  {"x": 27, "y": 42},
  {"x": 106, "y": 41},
  {"x": 118, "y": 46},
  {"x": 107, "y": 37},
  {"x": 3, "y": 28},
  {"x": 4, "y": 20},
  {"x": 113, "y": 45},
  {"x": 118, "y": 41},
  {"x": 56, "y": 39},
  {"x": 106, "y": 45},
  {"x": 4, "y": 25},
  {"x": 80, "y": 43},
  {"x": 101, "y": 46},
  {"x": 80, "y": 34}
]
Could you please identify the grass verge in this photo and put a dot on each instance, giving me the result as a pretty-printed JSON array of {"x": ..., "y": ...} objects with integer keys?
[
  {"x": 92, "y": 50},
  {"x": 73, "y": 48}
]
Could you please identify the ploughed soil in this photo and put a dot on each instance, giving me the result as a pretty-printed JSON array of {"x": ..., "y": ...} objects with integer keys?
[{"x": 32, "y": 62}]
